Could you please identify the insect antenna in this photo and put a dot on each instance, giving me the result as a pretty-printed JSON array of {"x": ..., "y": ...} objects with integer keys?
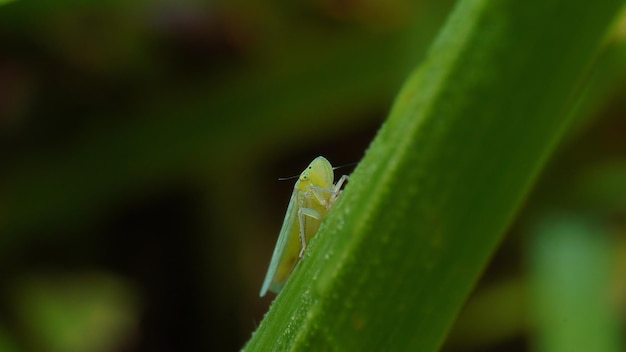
[
  {"x": 334, "y": 168},
  {"x": 345, "y": 165},
  {"x": 288, "y": 178}
]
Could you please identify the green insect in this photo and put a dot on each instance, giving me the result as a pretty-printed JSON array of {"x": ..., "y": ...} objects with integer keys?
[{"x": 313, "y": 195}]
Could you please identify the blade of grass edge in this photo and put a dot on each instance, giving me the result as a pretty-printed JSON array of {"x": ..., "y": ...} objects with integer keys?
[{"x": 397, "y": 256}]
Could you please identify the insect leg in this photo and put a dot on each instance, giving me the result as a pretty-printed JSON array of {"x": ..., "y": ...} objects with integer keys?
[
  {"x": 302, "y": 212},
  {"x": 334, "y": 192},
  {"x": 337, "y": 189}
]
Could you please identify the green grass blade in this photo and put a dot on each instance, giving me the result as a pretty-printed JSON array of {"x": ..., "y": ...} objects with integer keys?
[{"x": 428, "y": 204}]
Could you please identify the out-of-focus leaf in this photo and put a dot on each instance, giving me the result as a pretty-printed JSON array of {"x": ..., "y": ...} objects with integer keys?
[
  {"x": 571, "y": 262},
  {"x": 76, "y": 313}
]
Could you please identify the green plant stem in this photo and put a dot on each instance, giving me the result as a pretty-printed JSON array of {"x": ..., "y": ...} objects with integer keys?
[{"x": 401, "y": 250}]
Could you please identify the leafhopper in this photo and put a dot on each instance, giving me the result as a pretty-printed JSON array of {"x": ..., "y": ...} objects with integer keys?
[{"x": 313, "y": 195}]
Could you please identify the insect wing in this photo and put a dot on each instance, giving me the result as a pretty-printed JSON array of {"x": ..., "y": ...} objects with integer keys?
[{"x": 279, "y": 256}]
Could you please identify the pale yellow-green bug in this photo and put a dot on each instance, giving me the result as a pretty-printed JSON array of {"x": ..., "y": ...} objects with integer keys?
[{"x": 313, "y": 195}]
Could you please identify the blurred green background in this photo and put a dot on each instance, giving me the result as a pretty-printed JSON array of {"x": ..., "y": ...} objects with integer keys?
[{"x": 142, "y": 142}]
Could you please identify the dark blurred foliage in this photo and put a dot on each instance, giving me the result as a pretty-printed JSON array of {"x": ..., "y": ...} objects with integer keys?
[{"x": 141, "y": 144}]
